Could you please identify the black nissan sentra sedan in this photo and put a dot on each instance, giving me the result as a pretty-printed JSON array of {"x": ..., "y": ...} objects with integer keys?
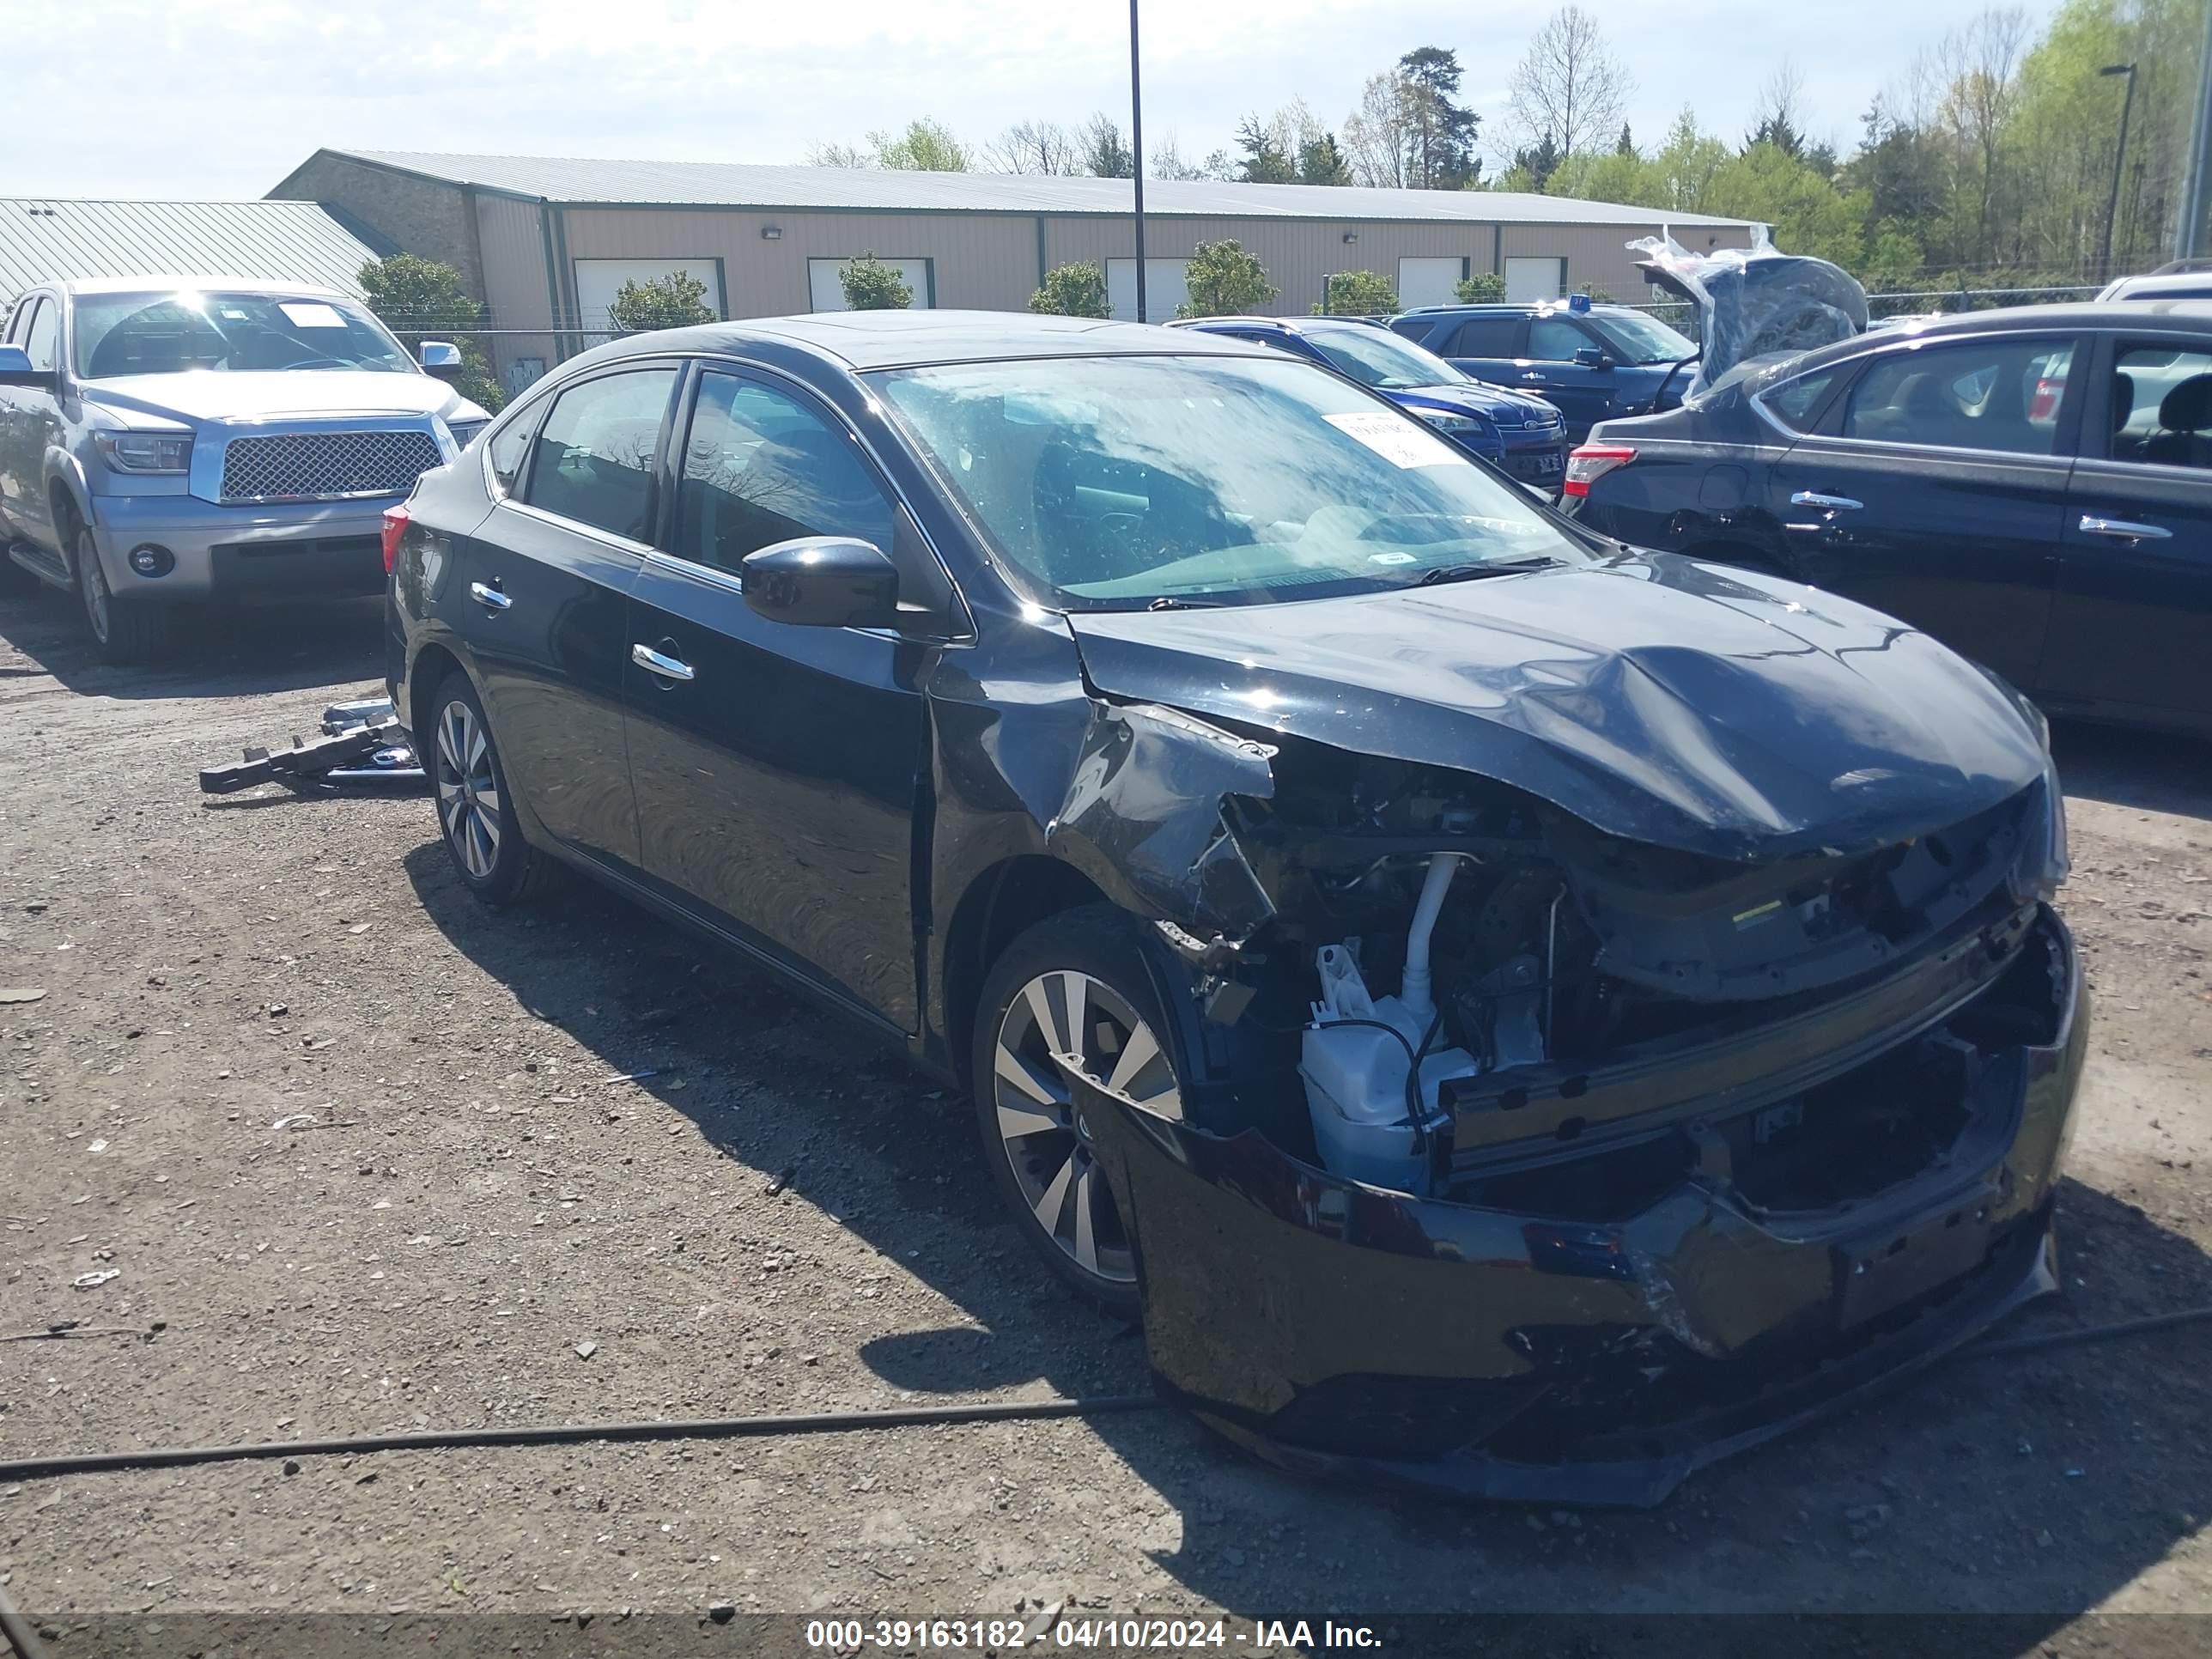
[{"x": 1509, "y": 1011}]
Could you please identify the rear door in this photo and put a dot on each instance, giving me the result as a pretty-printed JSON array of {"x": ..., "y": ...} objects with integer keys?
[
  {"x": 1934, "y": 489},
  {"x": 1486, "y": 345},
  {"x": 775, "y": 766},
  {"x": 541, "y": 600},
  {"x": 2131, "y": 620}
]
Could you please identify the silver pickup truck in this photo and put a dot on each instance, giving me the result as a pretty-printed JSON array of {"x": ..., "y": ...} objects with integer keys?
[{"x": 167, "y": 439}]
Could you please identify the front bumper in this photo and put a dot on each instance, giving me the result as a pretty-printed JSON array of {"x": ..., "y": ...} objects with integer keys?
[
  {"x": 225, "y": 552},
  {"x": 1333, "y": 1326}
]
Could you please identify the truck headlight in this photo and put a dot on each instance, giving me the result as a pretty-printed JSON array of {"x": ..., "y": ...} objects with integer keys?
[
  {"x": 464, "y": 432},
  {"x": 145, "y": 451}
]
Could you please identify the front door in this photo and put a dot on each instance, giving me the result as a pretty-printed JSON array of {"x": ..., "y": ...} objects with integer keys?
[
  {"x": 776, "y": 766},
  {"x": 29, "y": 416},
  {"x": 541, "y": 593},
  {"x": 1934, "y": 490},
  {"x": 2132, "y": 618},
  {"x": 1583, "y": 392}
]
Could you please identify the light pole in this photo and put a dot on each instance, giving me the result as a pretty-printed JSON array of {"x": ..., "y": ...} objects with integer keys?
[
  {"x": 2119, "y": 155},
  {"x": 1137, "y": 152}
]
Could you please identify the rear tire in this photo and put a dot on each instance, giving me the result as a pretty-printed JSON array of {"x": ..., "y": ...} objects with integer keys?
[
  {"x": 1071, "y": 991},
  {"x": 476, "y": 810},
  {"x": 123, "y": 630}
]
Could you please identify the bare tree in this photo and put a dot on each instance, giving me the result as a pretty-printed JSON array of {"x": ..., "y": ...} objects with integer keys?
[
  {"x": 1977, "y": 68},
  {"x": 1776, "y": 118},
  {"x": 839, "y": 156},
  {"x": 1568, "y": 84},
  {"x": 1375, "y": 134},
  {"x": 1167, "y": 161},
  {"x": 1105, "y": 152},
  {"x": 1043, "y": 147}
]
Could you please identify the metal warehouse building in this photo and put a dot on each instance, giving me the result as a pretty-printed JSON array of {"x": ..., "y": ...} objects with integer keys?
[
  {"x": 48, "y": 240},
  {"x": 547, "y": 243}
]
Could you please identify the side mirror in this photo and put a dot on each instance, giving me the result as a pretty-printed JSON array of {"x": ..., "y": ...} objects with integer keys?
[
  {"x": 823, "y": 581},
  {"x": 1591, "y": 357},
  {"x": 16, "y": 369},
  {"x": 440, "y": 357}
]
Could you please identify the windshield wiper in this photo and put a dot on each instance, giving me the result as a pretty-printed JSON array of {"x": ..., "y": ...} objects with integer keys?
[
  {"x": 1468, "y": 573},
  {"x": 1169, "y": 602}
]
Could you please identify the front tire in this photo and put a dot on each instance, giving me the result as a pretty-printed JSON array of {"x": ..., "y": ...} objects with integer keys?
[
  {"x": 1070, "y": 995},
  {"x": 475, "y": 810},
  {"x": 124, "y": 630}
]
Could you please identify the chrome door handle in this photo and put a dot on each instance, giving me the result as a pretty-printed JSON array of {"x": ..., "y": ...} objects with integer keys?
[
  {"x": 1833, "y": 503},
  {"x": 490, "y": 598},
  {"x": 2124, "y": 529},
  {"x": 655, "y": 662}
]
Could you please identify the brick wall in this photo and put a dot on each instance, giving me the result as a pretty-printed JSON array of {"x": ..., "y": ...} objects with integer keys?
[{"x": 423, "y": 216}]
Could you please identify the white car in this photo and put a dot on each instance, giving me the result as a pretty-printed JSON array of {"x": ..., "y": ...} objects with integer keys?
[{"x": 166, "y": 439}]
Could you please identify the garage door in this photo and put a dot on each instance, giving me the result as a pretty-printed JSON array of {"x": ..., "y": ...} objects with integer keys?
[
  {"x": 598, "y": 282},
  {"x": 825, "y": 285},
  {"x": 1536, "y": 279},
  {"x": 1163, "y": 288},
  {"x": 1429, "y": 282}
]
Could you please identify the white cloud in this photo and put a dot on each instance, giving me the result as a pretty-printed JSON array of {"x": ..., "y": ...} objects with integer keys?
[{"x": 222, "y": 98}]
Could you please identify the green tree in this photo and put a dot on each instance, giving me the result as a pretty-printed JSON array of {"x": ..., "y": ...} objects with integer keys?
[
  {"x": 1073, "y": 290},
  {"x": 1358, "y": 294},
  {"x": 676, "y": 300},
  {"x": 1321, "y": 161},
  {"x": 1105, "y": 152},
  {"x": 419, "y": 299},
  {"x": 1483, "y": 287},
  {"x": 1440, "y": 139},
  {"x": 1225, "y": 280},
  {"x": 926, "y": 146},
  {"x": 872, "y": 285},
  {"x": 1266, "y": 162}
]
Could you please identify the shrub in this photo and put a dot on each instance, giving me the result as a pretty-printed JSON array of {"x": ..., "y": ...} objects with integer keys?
[
  {"x": 419, "y": 299},
  {"x": 1358, "y": 293},
  {"x": 1483, "y": 287},
  {"x": 676, "y": 300},
  {"x": 1225, "y": 280},
  {"x": 872, "y": 285},
  {"x": 1076, "y": 290}
]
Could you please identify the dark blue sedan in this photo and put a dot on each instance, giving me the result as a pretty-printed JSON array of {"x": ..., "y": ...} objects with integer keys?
[{"x": 1523, "y": 436}]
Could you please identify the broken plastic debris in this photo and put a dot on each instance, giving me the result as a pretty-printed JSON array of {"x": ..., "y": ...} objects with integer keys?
[
  {"x": 21, "y": 993},
  {"x": 94, "y": 1281},
  {"x": 585, "y": 1350}
]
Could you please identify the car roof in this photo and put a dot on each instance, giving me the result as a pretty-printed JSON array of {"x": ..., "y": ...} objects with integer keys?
[
  {"x": 172, "y": 282},
  {"x": 1280, "y": 324},
  {"x": 2178, "y": 284},
  {"x": 1515, "y": 306},
  {"x": 863, "y": 340}
]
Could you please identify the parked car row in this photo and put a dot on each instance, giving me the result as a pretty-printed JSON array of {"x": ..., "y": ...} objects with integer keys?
[{"x": 164, "y": 442}]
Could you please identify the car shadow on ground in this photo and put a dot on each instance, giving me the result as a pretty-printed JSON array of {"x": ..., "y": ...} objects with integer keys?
[
  {"x": 2155, "y": 771},
  {"x": 238, "y": 652},
  {"x": 1928, "y": 1500}
]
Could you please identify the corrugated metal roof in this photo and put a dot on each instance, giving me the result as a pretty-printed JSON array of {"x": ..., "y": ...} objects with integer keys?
[
  {"x": 730, "y": 184},
  {"x": 48, "y": 239}
]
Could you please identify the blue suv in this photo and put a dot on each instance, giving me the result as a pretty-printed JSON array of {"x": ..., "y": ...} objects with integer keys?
[
  {"x": 1596, "y": 362},
  {"x": 1522, "y": 435}
]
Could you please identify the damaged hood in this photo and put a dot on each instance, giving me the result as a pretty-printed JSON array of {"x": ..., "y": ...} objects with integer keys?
[{"x": 1674, "y": 704}]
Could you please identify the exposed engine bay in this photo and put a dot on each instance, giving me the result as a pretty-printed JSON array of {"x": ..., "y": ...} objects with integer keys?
[{"x": 1460, "y": 978}]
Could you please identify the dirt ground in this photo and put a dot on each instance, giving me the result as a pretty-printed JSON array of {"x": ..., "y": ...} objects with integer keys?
[{"x": 477, "y": 1223}]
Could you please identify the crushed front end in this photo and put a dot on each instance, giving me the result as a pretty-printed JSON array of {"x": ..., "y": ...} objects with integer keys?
[{"x": 1649, "y": 1154}]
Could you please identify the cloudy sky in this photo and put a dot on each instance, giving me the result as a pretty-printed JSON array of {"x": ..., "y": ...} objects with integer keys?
[{"x": 222, "y": 98}]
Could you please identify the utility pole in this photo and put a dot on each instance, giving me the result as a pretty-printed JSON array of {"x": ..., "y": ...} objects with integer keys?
[
  {"x": 2119, "y": 155},
  {"x": 2189, "y": 235},
  {"x": 1137, "y": 153}
]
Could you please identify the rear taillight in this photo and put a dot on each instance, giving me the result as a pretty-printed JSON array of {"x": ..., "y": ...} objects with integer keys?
[
  {"x": 395, "y": 527},
  {"x": 1591, "y": 462}
]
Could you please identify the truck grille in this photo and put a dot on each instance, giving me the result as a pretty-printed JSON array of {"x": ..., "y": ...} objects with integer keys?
[{"x": 326, "y": 466}]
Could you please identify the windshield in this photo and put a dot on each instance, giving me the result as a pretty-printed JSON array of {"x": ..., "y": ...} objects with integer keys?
[
  {"x": 1637, "y": 339},
  {"x": 1382, "y": 360},
  {"x": 1113, "y": 484},
  {"x": 167, "y": 333}
]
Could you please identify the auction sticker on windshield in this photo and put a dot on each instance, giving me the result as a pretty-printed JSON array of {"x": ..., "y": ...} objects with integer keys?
[
  {"x": 308, "y": 313},
  {"x": 1397, "y": 440}
]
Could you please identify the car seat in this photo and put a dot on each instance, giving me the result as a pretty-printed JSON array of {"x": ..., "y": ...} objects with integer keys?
[{"x": 2185, "y": 415}]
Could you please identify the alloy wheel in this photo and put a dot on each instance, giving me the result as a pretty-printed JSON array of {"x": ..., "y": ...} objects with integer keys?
[
  {"x": 468, "y": 791},
  {"x": 92, "y": 583},
  {"x": 1059, "y": 1026}
]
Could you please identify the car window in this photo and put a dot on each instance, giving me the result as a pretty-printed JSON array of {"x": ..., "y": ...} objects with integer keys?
[
  {"x": 2001, "y": 394},
  {"x": 2161, "y": 407},
  {"x": 17, "y": 317},
  {"x": 1796, "y": 403},
  {"x": 42, "y": 338},
  {"x": 510, "y": 447},
  {"x": 1555, "y": 340},
  {"x": 762, "y": 467},
  {"x": 190, "y": 329},
  {"x": 594, "y": 454},
  {"x": 1487, "y": 337}
]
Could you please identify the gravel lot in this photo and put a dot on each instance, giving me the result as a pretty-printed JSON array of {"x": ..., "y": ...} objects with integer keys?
[{"x": 474, "y": 1226}]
